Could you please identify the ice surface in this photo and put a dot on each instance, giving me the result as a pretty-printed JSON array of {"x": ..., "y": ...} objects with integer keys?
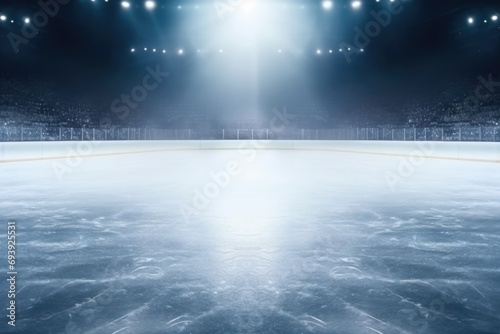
[{"x": 296, "y": 242}]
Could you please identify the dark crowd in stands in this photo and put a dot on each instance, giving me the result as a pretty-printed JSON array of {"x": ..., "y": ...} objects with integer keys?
[{"x": 30, "y": 101}]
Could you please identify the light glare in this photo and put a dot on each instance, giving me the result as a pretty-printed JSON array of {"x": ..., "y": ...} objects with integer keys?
[
  {"x": 356, "y": 4},
  {"x": 150, "y": 4},
  {"x": 327, "y": 4},
  {"x": 125, "y": 4}
]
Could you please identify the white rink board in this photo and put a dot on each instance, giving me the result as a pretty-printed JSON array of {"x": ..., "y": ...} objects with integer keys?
[{"x": 17, "y": 151}]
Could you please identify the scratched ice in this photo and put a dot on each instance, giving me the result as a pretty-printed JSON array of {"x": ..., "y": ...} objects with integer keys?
[{"x": 296, "y": 242}]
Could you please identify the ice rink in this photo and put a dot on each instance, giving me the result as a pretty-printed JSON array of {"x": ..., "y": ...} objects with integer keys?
[{"x": 275, "y": 241}]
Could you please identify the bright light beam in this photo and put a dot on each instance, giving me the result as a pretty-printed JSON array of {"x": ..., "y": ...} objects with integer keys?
[
  {"x": 150, "y": 5},
  {"x": 356, "y": 4},
  {"x": 327, "y": 5}
]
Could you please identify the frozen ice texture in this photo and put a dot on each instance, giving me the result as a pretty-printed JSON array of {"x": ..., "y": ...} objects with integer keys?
[{"x": 293, "y": 242}]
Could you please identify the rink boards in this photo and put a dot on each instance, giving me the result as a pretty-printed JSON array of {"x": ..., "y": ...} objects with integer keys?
[{"x": 475, "y": 151}]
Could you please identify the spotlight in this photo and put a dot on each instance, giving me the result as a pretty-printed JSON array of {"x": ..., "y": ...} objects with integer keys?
[
  {"x": 181, "y": 51},
  {"x": 327, "y": 4},
  {"x": 27, "y": 20},
  {"x": 3, "y": 17},
  {"x": 154, "y": 50},
  {"x": 132, "y": 50},
  {"x": 150, "y": 5},
  {"x": 125, "y": 4},
  {"x": 331, "y": 51},
  {"x": 494, "y": 17},
  {"x": 164, "y": 51},
  {"x": 470, "y": 20},
  {"x": 145, "y": 49},
  {"x": 221, "y": 51},
  {"x": 356, "y": 4}
]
